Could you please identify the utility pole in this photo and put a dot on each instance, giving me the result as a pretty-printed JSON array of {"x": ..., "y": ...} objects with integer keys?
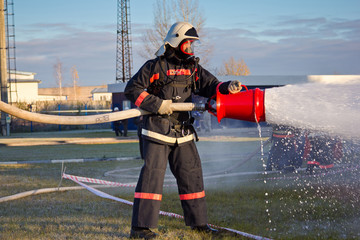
[{"x": 5, "y": 128}]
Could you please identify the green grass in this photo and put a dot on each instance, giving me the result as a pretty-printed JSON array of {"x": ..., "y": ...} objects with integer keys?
[
  {"x": 32, "y": 153},
  {"x": 68, "y": 151},
  {"x": 295, "y": 207}
]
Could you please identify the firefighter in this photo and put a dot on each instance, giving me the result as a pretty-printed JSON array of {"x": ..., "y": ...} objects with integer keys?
[
  {"x": 117, "y": 125},
  {"x": 125, "y": 123},
  {"x": 173, "y": 76},
  {"x": 282, "y": 155},
  {"x": 138, "y": 123},
  {"x": 322, "y": 151}
]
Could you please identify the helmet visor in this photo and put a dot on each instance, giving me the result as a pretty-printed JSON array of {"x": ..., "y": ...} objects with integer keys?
[{"x": 188, "y": 46}]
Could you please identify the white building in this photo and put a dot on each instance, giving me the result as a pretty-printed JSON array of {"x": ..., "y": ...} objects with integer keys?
[
  {"x": 101, "y": 94},
  {"x": 24, "y": 88}
]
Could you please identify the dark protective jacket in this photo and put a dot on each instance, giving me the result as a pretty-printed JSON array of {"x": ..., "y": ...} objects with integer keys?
[
  {"x": 283, "y": 150},
  {"x": 167, "y": 77}
]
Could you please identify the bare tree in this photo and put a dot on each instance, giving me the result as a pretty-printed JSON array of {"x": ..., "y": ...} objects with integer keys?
[
  {"x": 167, "y": 13},
  {"x": 58, "y": 69},
  {"x": 75, "y": 79},
  {"x": 235, "y": 68}
]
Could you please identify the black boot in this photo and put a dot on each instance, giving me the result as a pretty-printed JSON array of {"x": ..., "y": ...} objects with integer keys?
[
  {"x": 205, "y": 229},
  {"x": 139, "y": 232}
]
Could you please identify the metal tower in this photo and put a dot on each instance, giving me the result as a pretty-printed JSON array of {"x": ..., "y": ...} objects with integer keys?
[
  {"x": 5, "y": 124},
  {"x": 123, "y": 49},
  {"x": 11, "y": 53}
]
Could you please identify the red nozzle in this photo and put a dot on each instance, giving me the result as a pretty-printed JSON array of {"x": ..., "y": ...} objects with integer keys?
[{"x": 246, "y": 105}]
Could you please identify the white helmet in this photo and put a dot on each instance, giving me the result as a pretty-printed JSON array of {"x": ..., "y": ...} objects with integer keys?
[
  {"x": 177, "y": 33},
  {"x": 116, "y": 109}
]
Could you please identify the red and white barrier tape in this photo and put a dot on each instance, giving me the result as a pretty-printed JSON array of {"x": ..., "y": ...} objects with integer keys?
[
  {"x": 97, "y": 181},
  {"x": 102, "y": 182},
  {"x": 99, "y": 193}
]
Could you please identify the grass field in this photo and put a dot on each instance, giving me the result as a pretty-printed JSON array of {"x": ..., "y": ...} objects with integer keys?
[{"x": 279, "y": 206}]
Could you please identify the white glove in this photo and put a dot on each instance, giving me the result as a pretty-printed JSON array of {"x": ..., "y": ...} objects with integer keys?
[
  {"x": 234, "y": 87},
  {"x": 165, "y": 107}
]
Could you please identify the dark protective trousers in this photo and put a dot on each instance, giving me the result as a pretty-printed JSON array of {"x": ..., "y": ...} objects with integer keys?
[
  {"x": 185, "y": 164},
  {"x": 283, "y": 154}
]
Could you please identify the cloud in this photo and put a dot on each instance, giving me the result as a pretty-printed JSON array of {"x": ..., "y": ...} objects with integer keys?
[
  {"x": 320, "y": 27},
  {"x": 296, "y": 46},
  {"x": 93, "y": 53},
  {"x": 38, "y": 58},
  {"x": 291, "y": 21},
  {"x": 290, "y": 47}
]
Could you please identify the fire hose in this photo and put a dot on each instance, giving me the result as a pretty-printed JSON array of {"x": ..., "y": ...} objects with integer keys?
[{"x": 90, "y": 119}]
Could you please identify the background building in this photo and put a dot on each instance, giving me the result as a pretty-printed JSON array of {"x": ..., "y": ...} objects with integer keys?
[{"x": 23, "y": 87}]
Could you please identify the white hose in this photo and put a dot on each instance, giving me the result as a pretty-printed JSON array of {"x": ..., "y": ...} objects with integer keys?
[
  {"x": 42, "y": 190},
  {"x": 90, "y": 119}
]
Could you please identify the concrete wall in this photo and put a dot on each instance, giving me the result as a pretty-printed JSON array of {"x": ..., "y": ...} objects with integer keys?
[
  {"x": 51, "y": 98},
  {"x": 82, "y": 93}
]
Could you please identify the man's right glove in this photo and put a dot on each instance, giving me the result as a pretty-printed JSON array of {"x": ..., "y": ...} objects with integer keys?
[
  {"x": 234, "y": 87},
  {"x": 165, "y": 107}
]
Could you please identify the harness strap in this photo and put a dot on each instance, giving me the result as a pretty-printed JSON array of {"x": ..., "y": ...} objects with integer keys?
[{"x": 184, "y": 127}]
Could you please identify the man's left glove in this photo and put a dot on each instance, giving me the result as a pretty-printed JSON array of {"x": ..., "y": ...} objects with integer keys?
[
  {"x": 234, "y": 87},
  {"x": 165, "y": 107}
]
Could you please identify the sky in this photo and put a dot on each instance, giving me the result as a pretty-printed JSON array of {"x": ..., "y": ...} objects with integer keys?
[{"x": 273, "y": 37}]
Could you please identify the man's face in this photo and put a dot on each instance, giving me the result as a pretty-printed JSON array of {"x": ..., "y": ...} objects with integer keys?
[{"x": 187, "y": 47}]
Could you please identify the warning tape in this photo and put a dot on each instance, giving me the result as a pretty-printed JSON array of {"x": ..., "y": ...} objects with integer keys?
[
  {"x": 102, "y": 182},
  {"x": 97, "y": 181},
  {"x": 99, "y": 193}
]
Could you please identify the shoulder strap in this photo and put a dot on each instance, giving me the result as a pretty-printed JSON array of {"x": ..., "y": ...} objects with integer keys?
[{"x": 158, "y": 83}]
